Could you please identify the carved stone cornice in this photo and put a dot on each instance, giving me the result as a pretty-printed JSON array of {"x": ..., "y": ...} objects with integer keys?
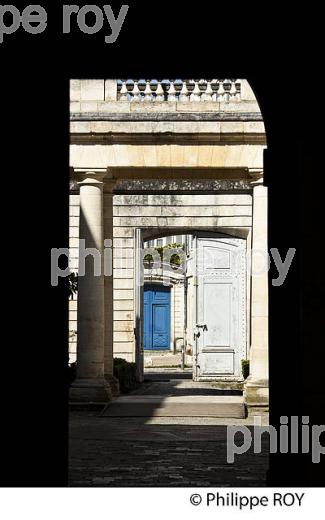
[
  {"x": 162, "y": 185},
  {"x": 183, "y": 185}
]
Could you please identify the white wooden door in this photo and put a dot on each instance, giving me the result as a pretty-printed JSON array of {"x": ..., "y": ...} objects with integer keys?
[{"x": 220, "y": 329}]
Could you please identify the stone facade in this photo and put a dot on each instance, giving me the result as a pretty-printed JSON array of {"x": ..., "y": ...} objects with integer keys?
[{"x": 166, "y": 167}]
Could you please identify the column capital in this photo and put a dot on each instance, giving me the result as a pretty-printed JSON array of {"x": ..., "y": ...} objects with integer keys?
[
  {"x": 93, "y": 177},
  {"x": 255, "y": 176},
  {"x": 89, "y": 176}
]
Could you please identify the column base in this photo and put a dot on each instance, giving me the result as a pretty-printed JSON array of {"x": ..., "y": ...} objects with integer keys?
[
  {"x": 262, "y": 412},
  {"x": 90, "y": 391},
  {"x": 113, "y": 383},
  {"x": 256, "y": 392}
]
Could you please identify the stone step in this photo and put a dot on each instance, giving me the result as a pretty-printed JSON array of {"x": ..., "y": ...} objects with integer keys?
[
  {"x": 156, "y": 359},
  {"x": 181, "y": 406}
]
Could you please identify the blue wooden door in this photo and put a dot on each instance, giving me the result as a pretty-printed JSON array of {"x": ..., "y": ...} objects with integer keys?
[{"x": 156, "y": 317}]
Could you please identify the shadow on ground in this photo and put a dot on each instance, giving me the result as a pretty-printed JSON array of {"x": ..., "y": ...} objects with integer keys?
[
  {"x": 128, "y": 452},
  {"x": 160, "y": 451}
]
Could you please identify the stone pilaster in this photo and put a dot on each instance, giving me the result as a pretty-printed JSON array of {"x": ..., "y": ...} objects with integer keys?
[
  {"x": 108, "y": 284},
  {"x": 256, "y": 386},
  {"x": 90, "y": 385}
]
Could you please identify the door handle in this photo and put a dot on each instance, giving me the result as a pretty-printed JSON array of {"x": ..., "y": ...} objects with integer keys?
[{"x": 204, "y": 327}]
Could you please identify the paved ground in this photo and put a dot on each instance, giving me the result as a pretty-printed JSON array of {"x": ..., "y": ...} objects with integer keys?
[{"x": 160, "y": 451}]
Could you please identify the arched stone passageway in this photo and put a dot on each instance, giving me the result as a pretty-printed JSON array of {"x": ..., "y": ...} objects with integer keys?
[{"x": 191, "y": 163}]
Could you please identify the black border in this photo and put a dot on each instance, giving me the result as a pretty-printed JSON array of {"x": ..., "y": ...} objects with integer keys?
[{"x": 157, "y": 40}]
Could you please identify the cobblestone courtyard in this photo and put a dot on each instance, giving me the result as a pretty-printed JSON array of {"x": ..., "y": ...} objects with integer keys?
[{"x": 160, "y": 451}]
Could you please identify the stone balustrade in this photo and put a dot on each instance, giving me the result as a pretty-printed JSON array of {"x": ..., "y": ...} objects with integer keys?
[{"x": 218, "y": 90}]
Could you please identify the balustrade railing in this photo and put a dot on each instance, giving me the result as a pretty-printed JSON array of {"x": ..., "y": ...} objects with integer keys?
[{"x": 215, "y": 90}]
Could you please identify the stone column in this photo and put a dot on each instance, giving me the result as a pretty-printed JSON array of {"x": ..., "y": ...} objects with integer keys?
[
  {"x": 90, "y": 385},
  {"x": 256, "y": 390},
  {"x": 108, "y": 284}
]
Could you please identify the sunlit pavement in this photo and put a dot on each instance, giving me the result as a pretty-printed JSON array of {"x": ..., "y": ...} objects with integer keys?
[{"x": 161, "y": 451}]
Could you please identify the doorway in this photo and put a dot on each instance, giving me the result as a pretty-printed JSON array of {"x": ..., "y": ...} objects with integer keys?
[
  {"x": 215, "y": 320},
  {"x": 156, "y": 315},
  {"x": 220, "y": 307}
]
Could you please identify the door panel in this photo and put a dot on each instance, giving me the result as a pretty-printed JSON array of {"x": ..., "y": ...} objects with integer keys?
[
  {"x": 220, "y": 329},
  {"x": 160, "y": 322},
  {"x": 217, "y": 315},
  {"x": 220, "y": 363}
]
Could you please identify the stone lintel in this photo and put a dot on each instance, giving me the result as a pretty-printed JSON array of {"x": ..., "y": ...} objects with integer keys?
[
  {"x": 111, "y": 138},
  {"x": 177, "y": 173}
]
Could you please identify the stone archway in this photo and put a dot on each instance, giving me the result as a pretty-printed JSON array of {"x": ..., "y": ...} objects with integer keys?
[{"x": 200, "y": 167}]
